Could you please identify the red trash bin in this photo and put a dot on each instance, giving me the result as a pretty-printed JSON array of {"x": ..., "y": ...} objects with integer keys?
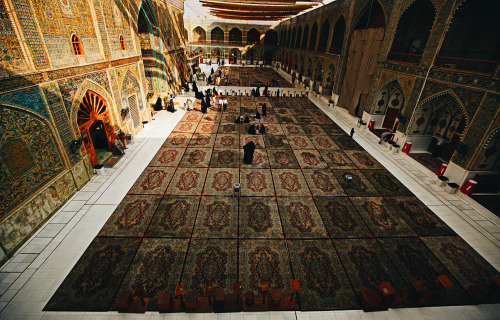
[
  {"x": 468, "y": 187},
  {"x": 441, "y": 170},
  {"x": 406, "y": 147},
  {"x": 371, "y": 124}
]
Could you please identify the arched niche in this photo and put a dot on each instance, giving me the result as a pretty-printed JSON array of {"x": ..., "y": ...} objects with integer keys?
[
  {"x": 199, "y": 34},
  {"x": 253, "y": 36},
  {"x": 299, "y": 38},
  {"x": 324, "y": 35},
  {"x": 314, "y": 36},
  {"x": 305, "y": 38},
  {"x": 235, "y": 36},
  {"x": 217, "y": 35},
  {"x": 271, "y": 38},
  {"x": 338, "y": 36},
  {"x": 390, "y": 100}
]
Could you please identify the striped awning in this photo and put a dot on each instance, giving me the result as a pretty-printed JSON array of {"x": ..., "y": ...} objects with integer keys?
[{"x": 258, "y": 9}]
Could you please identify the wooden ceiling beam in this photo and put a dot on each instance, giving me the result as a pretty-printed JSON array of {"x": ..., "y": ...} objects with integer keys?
[{"x": 245, "y": 7}]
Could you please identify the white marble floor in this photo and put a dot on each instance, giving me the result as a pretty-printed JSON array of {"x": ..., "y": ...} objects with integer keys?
[{"x": 32, "y": 276}]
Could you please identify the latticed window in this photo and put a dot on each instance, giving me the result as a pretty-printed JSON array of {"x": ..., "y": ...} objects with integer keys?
[
  {"x": 122, "y": 43},
  {"x": 77, "y": 46}
]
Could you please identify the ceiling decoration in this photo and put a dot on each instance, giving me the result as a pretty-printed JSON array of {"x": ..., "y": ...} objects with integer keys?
[{"x": 258, "y": 9}]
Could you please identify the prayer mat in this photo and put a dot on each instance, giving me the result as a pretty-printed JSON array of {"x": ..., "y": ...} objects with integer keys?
[
  {"x": 259, "y": 218},
  {"x": 324, "y": 143},
  {"x": 269, "y": 119},
  {"x": 195, "y": 117},
  {"x": 273, "y": 129},
  {"x": 174, "y": 218},
  {"x": 220, "y": 181},
  {"x": 187, "y": 182},
  {"x": 185, "y": 127},
  {"x": 367, "y": 265},
  {"x": 277, "y": 142},
  {"x": 379, "y": 217},
  {"x": 260, "y": 159},
  {"x": 167, "y": 157},
  {"x": 332, "y": 128},
  {"x": 363, "y": 160},
  {"x": 264, "y": 261},
  {"x": 300, "y": 142},
  {"x": 282, "y": 159},
  {"x": 287, "y": 119},
  {"x": 211, "y": 260},
  {"x": 94, "y": 280},
  {"x": 337, "y": 159},
  {"x": 229, "y": 128},
  {"x": 178, "y": 140},
  {"x": 217, "y": 218},
  {"x": 359, "y": 185},
  {"x": 464, "y": 263},
  {"x": 313, "y": 130},
  {"x": 386, "y": 183},
  {"x": 418, "y": 217},
  {"x": 414, "y": 260},
  {"x": 324, "y": 283},
  {"x": 310, "y": 159},
  {"x": 341, "y": 218},
  {"x": 346, "y": 143},
  {"x": 207, "y": 127},
  {"x": 258, "y": 140},
  {"x": 228, "y": 118},
  {"x": 301, "y": 219},
  {"x": 196, "y": 157},
  {"x": 293, "y": 129},
  {"x": 153, "y": 180},
  {"x": 202, "y": 140},
  {"x": 132, "y": 216},
  {"x": 290, "y": 183},
  {"x": 323, "y": 183},
  {"x": 211, "y": 118},
  {"x": 256, "y": 182},
  {"x": 157, "y": 266},
  {"x": 225, "y": 158},
  {"x": 227, "y": 141}
]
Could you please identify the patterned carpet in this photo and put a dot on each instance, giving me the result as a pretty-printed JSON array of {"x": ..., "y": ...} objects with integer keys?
[
  {"x": 251, "y": 77},
  {"x": 296, "y": 217}
]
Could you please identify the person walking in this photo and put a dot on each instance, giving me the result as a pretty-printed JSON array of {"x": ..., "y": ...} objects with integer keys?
[
  {"x": 224, "y": 104},
  {"x": 352, "y": 132},
  {"x": 221, "y": 104}
]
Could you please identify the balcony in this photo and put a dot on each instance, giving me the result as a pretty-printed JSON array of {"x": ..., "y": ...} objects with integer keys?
[
  {"x": 407, "y": 58},
  {"x": 484, "y": 67}
]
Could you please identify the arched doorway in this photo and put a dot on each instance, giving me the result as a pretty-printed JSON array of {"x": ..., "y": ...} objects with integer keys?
[
  {"x": 268, "y": 57},
  {"x": 94, "y": 122},
  {"x": 440, "y": 119},
  {"x": 216, "y": 55},
  {"x": 364, "y": 52},
  {"x": 330, "y": 74},
  {"x": 390, "y": 100},
  {"x": 234, "y": 56}
]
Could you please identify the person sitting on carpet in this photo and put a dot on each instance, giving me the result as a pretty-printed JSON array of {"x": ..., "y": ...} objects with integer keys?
[
  {"x": 171, "y": 107},
  {"x": 158, "y": 106},
  {"x": 256, "y": 129},
  {"x": 248, "y": 149},
  {"x": 257, "y": 115},
  {"x": 247, "y": 120},
  {"x": 118, "y": 147},
  {"x": 239, "y": 119}
]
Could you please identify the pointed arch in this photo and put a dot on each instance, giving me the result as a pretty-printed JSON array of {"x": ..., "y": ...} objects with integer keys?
[
  {"x": 338, "y": 35},
  {"x": 324, "y": 35},
  {"x": 305, "y": 38},
  {"x": 217, "y": 35},
  {"x": 199, "y": 34},
  {"x": 294, "y": 34},
  {"x": 314, "y": 36},
  {"x": 373, "y": 16},
  {"x": 235, "y": 36},
  {"x": 253, "y": 36},
  {"x": 271, "y": 37},
  {"x": 299, "y": 38}
]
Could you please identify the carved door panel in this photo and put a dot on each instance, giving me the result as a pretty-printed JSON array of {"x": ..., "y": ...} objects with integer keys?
[{"x": 89, "y": 146}]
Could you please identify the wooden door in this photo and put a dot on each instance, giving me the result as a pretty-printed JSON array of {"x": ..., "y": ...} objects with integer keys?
[
  {"x": 390, "y": 116},
  {"x": 93, "y": 108}
]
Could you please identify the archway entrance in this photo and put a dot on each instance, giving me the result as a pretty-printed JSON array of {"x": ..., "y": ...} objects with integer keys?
[
  {"x": 390, "y": 100},
  {"x": 94, "y": 122},
  {"x": 268, "y": 57},
  {"x": 439, "y": 124}
]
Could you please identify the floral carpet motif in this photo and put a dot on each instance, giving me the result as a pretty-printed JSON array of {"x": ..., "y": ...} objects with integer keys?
[
  {"x": 157, "y": 265},
  {"x": 323, "y": 289},
  {"x": 381, "y": 220},
  {"x": 220, "y": 181},
  {"x": 310, "y": 159},
  {"x": 300, "y": 218},
  {"x": 420, "y": 218},
  {"x": 196, "y": 157},
  {"x": 290, "y": 183},
  {"x": 341, "y": 218},
  {"x": 153, "y": 180},
  {"x": 187, "y": 181},
  {"x": 210, "y": 260},
  {"x": 367, "y": 265},
  {"x": 132, "y": 216},
  {"x": 259, "y": 218},
  {"x": 386, "y": 183},
  {"x": 323, "y": 183},
  {"x": 174, "y": 217},
  {"x": 217, "y": 218},
  {"x": 181, "y": 223},
  {"x": 262, "y": 261},
  {"x": 92, "y": 283},
  {"x": 167, "y": 157},
  {"x": 255, "y": 182},
  {"x": 282, "y": 159}
]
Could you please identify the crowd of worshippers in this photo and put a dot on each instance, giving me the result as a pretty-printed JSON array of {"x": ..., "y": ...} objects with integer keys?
[
  {"x": 221, "y": 78},
  {"x": 167, "y": 102}
]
